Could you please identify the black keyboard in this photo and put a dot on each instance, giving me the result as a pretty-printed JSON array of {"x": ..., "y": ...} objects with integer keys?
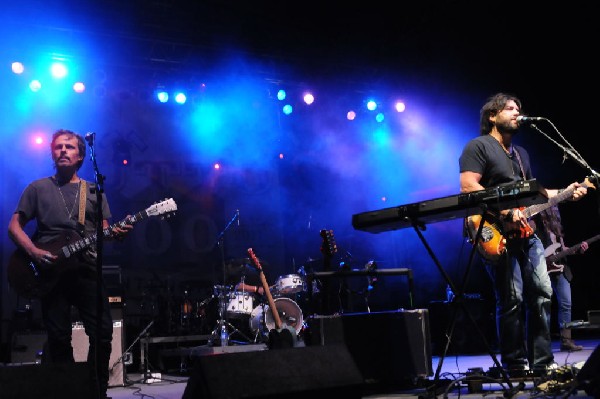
[{"x": 511, "y": 195}]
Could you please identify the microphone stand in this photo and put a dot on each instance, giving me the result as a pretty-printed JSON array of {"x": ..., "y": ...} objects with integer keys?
[
  {"x": 570, "y": 151},
  {"x": 223, "y": 323},
  {"x": 99, "y": 178}
]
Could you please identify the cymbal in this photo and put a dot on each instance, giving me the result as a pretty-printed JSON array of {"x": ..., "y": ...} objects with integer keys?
[
  {"x": 234, "y": 270},
  {"x": 242, "y": 266}
]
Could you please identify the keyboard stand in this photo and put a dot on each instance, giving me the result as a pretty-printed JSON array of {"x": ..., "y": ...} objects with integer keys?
[{"x": 457, "y": 301}]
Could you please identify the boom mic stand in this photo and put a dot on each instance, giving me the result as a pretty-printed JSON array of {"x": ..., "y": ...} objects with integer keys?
[
  {"x": 569, "y": 151},
  {"x": 222, "y": 292}
]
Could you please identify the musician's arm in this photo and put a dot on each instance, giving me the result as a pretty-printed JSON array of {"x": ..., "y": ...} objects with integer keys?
[
  {"x": 469, "y": 181},
  {"x": 18, "y": 235}
]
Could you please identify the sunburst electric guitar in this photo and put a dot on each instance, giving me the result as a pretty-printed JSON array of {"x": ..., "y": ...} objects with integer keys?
[
  {"x": 491, "y": 244},
  {"x": 32, "y": 280}
]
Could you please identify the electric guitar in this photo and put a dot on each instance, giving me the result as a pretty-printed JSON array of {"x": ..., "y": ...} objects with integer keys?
[
  {"x": 282, "y": 336},
  {"x": 492, "y": 242},
  {"x": 552, "y": 258},
  {"x": 32, "y": 280},
  {"x": 328, "y": 249}
]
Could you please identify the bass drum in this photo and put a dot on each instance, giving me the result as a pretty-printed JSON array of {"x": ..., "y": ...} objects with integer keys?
[{"x": 289, "y": 313}]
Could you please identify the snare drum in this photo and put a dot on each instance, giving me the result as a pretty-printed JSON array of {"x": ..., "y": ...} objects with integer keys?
[
  {"x": 240, "y": 303},
  {"x": 289, "y": 313},
  {"x": 290, "y": 284}
]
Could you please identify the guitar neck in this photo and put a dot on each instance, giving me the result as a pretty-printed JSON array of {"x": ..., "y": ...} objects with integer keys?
[
  {"x": 537, "y": 208},
  {"x": 571, "y": 250},
  {"x": 270, "y": 299},
  {"x": 79, "y": 245},
  {"x": 265, "y": 285}
]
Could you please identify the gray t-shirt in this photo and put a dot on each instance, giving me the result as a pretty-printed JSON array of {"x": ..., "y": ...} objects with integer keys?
[{"x": 56, "y": 209}]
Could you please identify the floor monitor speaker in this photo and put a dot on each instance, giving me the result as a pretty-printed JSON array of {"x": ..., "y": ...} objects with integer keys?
[
  {"x": 52, "y": 381},
  {"x": 291, "y": 373},
  {"x": 391, "y": 349}
]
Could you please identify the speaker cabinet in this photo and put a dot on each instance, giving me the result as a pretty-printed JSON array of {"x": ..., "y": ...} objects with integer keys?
[
  {"x": 588, "y": 377},
  {"x": 291, "y": 373},
  {"x": 27, "y": 347},
  {"x": 80, "y": 342},
  {"x": 54, "y": 381},
  {"x": 391, "y": 349}
]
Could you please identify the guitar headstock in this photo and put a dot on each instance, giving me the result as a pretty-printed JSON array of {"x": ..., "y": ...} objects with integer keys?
[
  {"x": 164, "y": 208},
  {"x": 328, "y": 247},
  {"x": 254, "y": 258},
  {"x": 591, "y": 181}
]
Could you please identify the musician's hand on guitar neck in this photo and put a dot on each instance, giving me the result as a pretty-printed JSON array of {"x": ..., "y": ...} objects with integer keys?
[
  {"x": 584, "y": 246},
  {"x": 579, "y": 191},
  {"x": 118, "y": 232}
]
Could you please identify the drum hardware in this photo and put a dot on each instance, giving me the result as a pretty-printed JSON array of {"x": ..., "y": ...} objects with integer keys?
[{"x": 222, "y": 324}]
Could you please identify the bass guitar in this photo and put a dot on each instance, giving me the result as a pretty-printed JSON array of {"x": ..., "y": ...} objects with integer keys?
[
  {"x": 491, "y": 244},
  {"x": 32, "y": 280},
  {"x": 552, "y": 258},
  {"x": 282, "y": 336}
]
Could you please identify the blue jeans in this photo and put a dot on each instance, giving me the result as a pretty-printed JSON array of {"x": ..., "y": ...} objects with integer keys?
[
  {"x": 78, "y": 288},
  {"x": 522, "y": 284},
  {"x": 562, "y": 290}
]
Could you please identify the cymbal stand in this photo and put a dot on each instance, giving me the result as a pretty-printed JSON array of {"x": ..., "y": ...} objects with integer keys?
[
  {"x": 145, "y": 362},
  {"x": 222, "y": 294}
]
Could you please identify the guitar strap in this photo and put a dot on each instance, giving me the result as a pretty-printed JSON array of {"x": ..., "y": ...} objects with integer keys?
[
  {"x": 82, "y": 199},
  {"x": 520, "y": 162}
]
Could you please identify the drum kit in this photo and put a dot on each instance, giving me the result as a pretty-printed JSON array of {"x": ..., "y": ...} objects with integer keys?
[{"x": 247, "y": 314}]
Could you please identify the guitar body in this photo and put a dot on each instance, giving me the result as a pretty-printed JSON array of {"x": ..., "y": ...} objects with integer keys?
[
  {"x": 491, "y": 244},
  {"x": 31, "y": 280},
  {"x": 282, "y": 338},
  {"x": 552, "y": 257}
]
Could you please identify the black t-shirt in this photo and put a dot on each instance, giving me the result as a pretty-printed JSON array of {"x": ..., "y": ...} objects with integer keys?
[{"x": 485, "y": 155}]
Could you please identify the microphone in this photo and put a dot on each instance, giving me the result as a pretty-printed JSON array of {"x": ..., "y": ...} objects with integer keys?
[
  {"x": 522, "y": 118},
  {"x": 89, "y": 137},
  {"x": 237, "y": 213}
]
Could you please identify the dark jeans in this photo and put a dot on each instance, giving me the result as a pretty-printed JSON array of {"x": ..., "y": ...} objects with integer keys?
[
  {"x": 78, "y": 289},
  {"x": 521, "y": 283}
]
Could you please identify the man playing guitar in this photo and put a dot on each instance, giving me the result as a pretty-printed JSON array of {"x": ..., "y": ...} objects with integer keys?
[{"x": 519, "y": 272}]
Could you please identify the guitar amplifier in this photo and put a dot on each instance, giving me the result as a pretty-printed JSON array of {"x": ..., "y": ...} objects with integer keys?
[
  {"x": 391, "y": 349},
  {"x": 80, "y": 342}
]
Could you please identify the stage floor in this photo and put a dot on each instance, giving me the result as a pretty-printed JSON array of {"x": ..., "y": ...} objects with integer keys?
[{"x": 454, "y": 369}]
